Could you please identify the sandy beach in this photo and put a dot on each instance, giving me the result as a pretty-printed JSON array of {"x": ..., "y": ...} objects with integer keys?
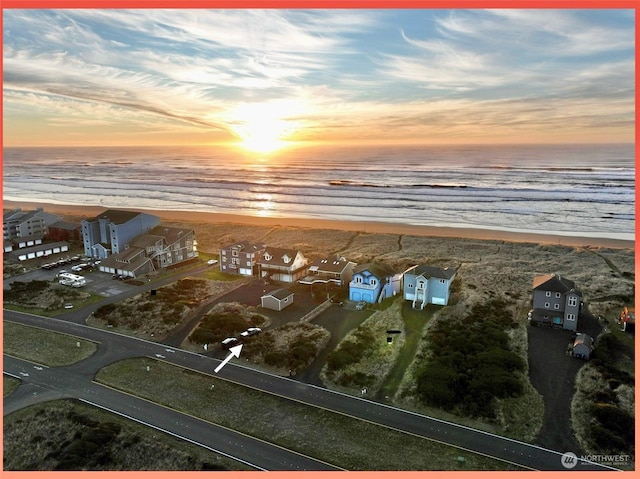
[{"x": 372, "y": 227}]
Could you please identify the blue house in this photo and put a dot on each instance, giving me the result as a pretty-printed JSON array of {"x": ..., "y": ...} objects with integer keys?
[
  {"x": 374, "y": 282},
  {"x": 428, "y": 285}
]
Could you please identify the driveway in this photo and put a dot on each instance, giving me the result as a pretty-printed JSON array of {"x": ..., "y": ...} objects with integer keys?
[{"x": 553, "y": 374}]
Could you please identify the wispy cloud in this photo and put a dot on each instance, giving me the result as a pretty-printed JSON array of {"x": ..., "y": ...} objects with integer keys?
[{"x": 363, "y": 73}]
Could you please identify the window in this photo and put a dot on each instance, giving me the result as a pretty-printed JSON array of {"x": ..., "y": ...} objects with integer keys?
[
  {"x": 373, "y": 282},
  {"x": 547, "y": 294},
  {"x": 409, "y": 285},
  {"x": 234, "y": 253},
  {"x": 224, "y": 252},
  {"x": 556, "y": 306},
  {"x": 358, "y": 279},
  {"x": 546, "y": 305},
  {"x": 558, "y": 295},
  {"x": 571, "y": 317},
  {"x": 248, "y": 263},
  {"x": 443, "y": 281},
  {"x": 573, "y": 301}
]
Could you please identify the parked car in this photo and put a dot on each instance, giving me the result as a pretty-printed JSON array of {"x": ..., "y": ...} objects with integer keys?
[
  {"x": 212, "y": 261},
  {"x": 68, "y": 306},
  {"x": 250, "y": 332},
  {"x": 230, "y": 342},
  {"x": 361, "y": 305}
]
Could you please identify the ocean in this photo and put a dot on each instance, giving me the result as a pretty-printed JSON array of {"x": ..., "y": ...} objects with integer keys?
[{"x": 582, "y": 190}]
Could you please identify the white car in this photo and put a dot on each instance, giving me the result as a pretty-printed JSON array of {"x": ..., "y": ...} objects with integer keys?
[
  {"x": 250, "y": 332},
  {"x": 68, "y": 306},
  {"x": 212, "y": 261},
  {"x": 230, "y": 342}
]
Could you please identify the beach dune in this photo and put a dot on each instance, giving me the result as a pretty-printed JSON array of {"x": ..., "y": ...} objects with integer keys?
[{"x": 80, "y": 211}]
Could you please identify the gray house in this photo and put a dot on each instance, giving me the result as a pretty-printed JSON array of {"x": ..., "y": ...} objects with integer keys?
[
  {"x": 22, "y": 224},
  {"x": 428, "y": 285},
  {"x": 556, "y": 302},
  {"x": 277, "y": 300},
  {"x": 241, "y": 258},
  {"x": 111, "y": 231},
  {"x": 162, "y": 248}
]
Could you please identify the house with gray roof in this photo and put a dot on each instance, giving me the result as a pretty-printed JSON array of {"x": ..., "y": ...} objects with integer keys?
[
  {"x": 335, "y": 270},
  {"x": 161, "y": 248},
  {"x": 241, "y": 258},
  {"x": 277, "y": 300},
  {"x": 428, "y": 285},
  {"x": 556, "y": 302},
  {"x": 22, "y": 224},
  {"x": 373, "y": 282}
]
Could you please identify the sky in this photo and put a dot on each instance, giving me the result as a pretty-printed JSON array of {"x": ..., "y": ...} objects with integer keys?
[{"x": 261, "y": 78}]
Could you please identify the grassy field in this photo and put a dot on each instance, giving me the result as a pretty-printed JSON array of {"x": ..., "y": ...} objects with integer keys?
[
  {"x": 9, "y": 385},
  {"x": 44, "y": 347},
  {"x": 347, "y": 442},
  {"x": 70, "y": 435}
]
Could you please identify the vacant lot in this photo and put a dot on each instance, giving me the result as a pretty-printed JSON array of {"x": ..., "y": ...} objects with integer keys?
[{"x": 71, "y": 436}]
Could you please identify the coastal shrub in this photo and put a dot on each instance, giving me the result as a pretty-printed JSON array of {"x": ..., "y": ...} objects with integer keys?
[
  {"x": 614, "y": 420},
  {"x": 469, "y": 364},
  {"x": 356, "y": 379},
  {"x": 105, "y": 310}
]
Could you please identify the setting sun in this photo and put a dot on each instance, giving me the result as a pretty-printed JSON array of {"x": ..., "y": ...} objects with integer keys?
[{"x": 263, "y": 127}]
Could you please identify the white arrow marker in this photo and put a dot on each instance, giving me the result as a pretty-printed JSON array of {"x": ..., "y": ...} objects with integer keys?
[{"x": 234, "y": 351}]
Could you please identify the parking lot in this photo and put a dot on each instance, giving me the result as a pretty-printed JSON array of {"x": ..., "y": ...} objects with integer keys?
[{"x": 97, "y": 282}]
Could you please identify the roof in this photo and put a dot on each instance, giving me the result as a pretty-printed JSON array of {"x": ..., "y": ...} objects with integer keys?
[
  {"x": 280, "y": 294},
  {"x": 245, "y": 246},
  {"x": 582, "y": 338},
  {"x": 379, "y": 270},
  {"x": 145, "y": 240},
  {"x": 117, "y": 217},
  {"x": 554, "y": 282},
  {"x": 65, "y": 225},
  {"x": 434, "y": 272},
  {"x": 330, "y": 265},
  {"x": 170, "y": 234},
  {"x": 278, "y": 256}
]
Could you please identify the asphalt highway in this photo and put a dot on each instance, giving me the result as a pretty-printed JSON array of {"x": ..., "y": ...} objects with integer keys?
[{"x": 115, "y": 346}]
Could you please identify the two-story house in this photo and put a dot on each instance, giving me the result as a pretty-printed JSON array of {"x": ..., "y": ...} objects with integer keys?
[
  {"x": 282, "y": 264},
  {"x": 338, "y": 271},
  {"x": 241, "y": 258},
  {"x": 373, "y": 282},
  {"x": 111, "y": 231},
  {"x": 428, "y": 285},
  {"x": 556, "y": 302}
]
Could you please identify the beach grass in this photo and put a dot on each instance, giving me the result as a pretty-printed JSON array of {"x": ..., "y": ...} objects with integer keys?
[
  {"x": 44, "y": 347},
  {"x": 337, "y": 439}
]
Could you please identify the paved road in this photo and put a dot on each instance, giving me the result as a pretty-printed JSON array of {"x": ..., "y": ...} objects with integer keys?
[
  {"x": 42, "y": 384},
  {"x": 116, "y": 345}
]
